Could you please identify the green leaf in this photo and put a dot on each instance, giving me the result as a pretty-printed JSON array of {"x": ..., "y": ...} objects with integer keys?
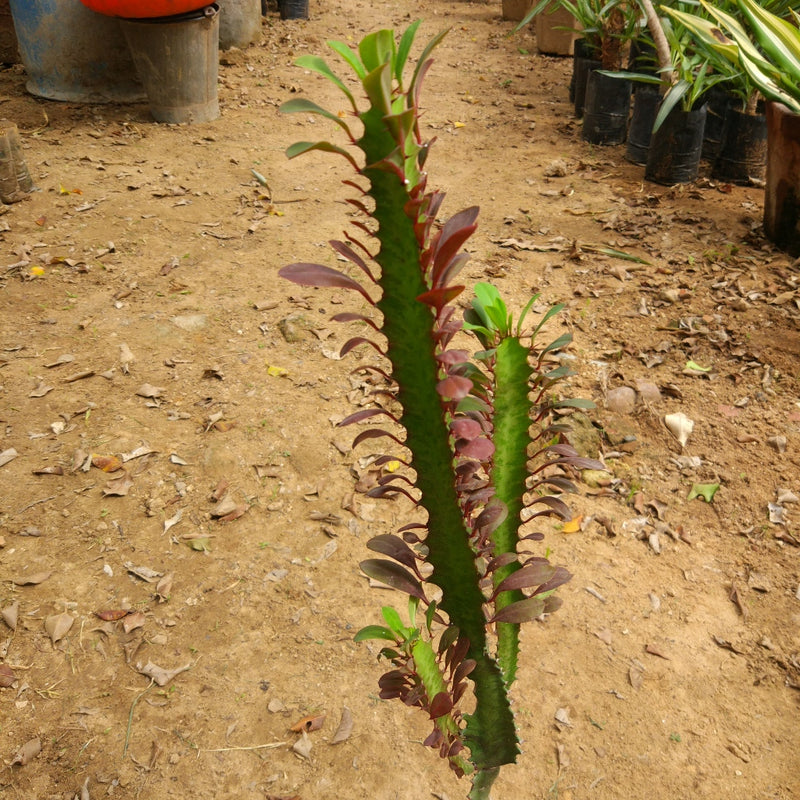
[
  {"x": 349, "y": 56},
  {"x": 301, "y": 148},
  {"x": 318, "y": 65},
  {"x": 374, "y": 632},
  {"x": 403, "y": 50},
  {"x": 301, "y": 105},
  {"x": 704, "y": 490},
  {"x": 695, "y": 367},
  {"x": 393, "y": 621}
]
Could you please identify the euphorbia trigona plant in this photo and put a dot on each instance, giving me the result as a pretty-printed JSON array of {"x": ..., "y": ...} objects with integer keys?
[{"x": 480, "y": 445}]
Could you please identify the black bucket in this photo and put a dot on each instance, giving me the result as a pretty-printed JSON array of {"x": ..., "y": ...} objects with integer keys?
[
  {"x": 645, "y": 107},
  {"x": 676, "y": 147},
  {"x": 605, "y": 112},
  {"x": 583, "y": 62},
  {"x": 293, "y": 9},
  {"x": 743, "y": 149}
]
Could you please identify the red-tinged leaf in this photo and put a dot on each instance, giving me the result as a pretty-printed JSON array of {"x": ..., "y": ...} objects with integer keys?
[
  {"x": 365, "y": 413},
  {"x": 556, "y": 506},
  {"x": 454, "y": 387},
  {"x": 388, "y": 544},
  {"x": 313, "y": 722},
  {"x": 356, "y": 341},
  {"x": 502, "y": 560},
  {"x": 345, "y": 250},
  {"x": 562, "y": 576},
  {"x": 439, "y": 298},
  {"x": 351, "y": 316},
  {"x": 521, "y": 611},
  {"x": 557, "y": 482},
  {"x": 466, "y": 428},
  {"x": 526, "y": 578},
  {"x": 453, "y": 268},
  {"x": 463, "y": 670},
  {"x": 306, "y": 274},
  {"x": 392, "y": 575},
  {"x": 481, "y": 449},
  {"x": 112, "y": 616},
  {"x": 491, "y": 516},
  {"x": 562, "y": 449},
  {"x": 446, "y": 250},
  {"x": 456, "y": 231},
  {"x": 552, "y": 603},
  {"x": 373, "y": 433},
  {"x": 441, "y": 704},
  {"x": 452, "y": 357},
  {"x": 390, "y": 491}
]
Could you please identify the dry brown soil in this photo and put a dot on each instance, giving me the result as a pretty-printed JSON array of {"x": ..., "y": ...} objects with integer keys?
[{"x": 149, "y": 335}]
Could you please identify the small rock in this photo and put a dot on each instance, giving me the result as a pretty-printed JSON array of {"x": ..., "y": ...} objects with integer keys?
[
  {"x": 291, "y": 329},
  {"x": 669, "y": 295},
  {"x": 655, "y": 543},
  {"x": 777, "y": 443},
  {"x": 190, "y": 322},
  {"x": 758, "y": 582},
  {"x": 621, "y": 400},
  {"x": 556, "y": 169},
  {"x": 583, "y": 435},
  {"x": 648, "y": 392},
  {"x": 595, "y": 478}
]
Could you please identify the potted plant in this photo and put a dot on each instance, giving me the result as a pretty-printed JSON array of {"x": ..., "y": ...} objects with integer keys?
[
  {"x": 767, "y": 48},
  {"x": 683, "y": 79},
  {"x": 606, "y": 28},
  {"x": 739, "y": 146}
]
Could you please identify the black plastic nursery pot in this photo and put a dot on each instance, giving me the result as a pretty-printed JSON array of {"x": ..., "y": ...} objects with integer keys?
[
  {"x": 583, "y": 62},
  {"x": 643, "y": 116},
  {"x": 293, "y": 9},
  {"x": 676, "y": 147},
  {"x": 719, "y": 101},
  {"x": 606, "y": 108},
  {"x": 742, "y": 155},
  {"x": 782, "y": 189}
]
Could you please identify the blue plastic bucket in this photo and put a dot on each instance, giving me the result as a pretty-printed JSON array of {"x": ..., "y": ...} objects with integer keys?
[{"x": 71, "y": 53}]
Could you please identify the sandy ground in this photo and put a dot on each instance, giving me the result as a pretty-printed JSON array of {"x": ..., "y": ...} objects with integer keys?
[{"x": 142, "y": 319}]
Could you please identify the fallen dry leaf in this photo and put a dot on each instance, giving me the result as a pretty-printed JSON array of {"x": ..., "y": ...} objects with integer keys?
[
  {"x": 636, "y": 677},
  {"x": 112, "y": 616},
  {"x": 655, "y": 651},
  {"x": 41, "y": 390},
  {"x": 118, "y": 487},
  {"x": 135, "y": 619},
  {"x": 7, "y": 676},
  {"x": 145, "y": 573},
  {"x": 160, "y": 675},
  {"x": 58, "y": 625},
  {"x": 345, "y": 729},
  {"x": 54, "y": 470},
  {"x": 10, "y": 615},
  {"x": 313, "y": 722},
  {"x": 149, "y": 391},
  {"x": 164, "y": 587},
  {"x": 7, "y": 455},
  {"x": 27, "y": 752},
  {"x": 303, "y": 746},
  {"x": 106, "y": 463},
  {"x": 31, "y": 580}
]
